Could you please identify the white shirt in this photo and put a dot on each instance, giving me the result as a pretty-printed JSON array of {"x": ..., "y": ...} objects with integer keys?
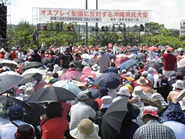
[
  {"x": 177, "y": 127},
  {"x": 78, "y": 112},
  {"x": 7, "y": 131}
]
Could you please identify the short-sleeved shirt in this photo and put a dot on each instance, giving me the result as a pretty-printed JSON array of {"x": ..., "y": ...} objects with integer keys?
[
  {"x": 154, "y": 130},
  {"x": 103, "y": 62},
  {"x": 7, "y": 131},
  {"x": 177, "y": 127},
  {"x": 169, "y": 62},
  {"x": 79, "y": 112},
  {"x": 54, "y": 128}
]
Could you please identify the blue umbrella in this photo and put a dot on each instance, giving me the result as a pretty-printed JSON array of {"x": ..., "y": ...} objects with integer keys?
[
  {"x": 110, "y": 80},
  {"x": 127, "y": 64}
]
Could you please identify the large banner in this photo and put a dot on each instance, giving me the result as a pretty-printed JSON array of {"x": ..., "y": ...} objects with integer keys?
[{"x": 104, "y": 16}]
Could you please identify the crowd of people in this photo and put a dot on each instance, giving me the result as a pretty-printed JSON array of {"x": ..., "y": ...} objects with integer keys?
[{"x": 153, "y": 89}]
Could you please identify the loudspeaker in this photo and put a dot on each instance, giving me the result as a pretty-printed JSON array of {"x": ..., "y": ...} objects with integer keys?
[{"x": 3, "y": 21}]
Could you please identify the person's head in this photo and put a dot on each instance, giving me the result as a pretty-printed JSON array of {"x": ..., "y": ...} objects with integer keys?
[
  {"x": 82, "y": 96},
  {"x": 55, "y": 75},
  {"x": 113, "y": 64},
  {"x": 179, "y": 85},
  {"x": 54, "y": 109},
  {"x": 15, "y": 112},
  {"x": 25, "y": 131},
  {"x": 72, "y": 65},
  {"x": 123, "y": 91},
  {"x": 150, "y": 113},
  {"x": 104, "y": 91}
]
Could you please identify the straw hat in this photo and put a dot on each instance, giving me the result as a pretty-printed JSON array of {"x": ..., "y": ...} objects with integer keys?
[
  {"x": 142, "y": 81},
  {"x": 85, "y": 129}
]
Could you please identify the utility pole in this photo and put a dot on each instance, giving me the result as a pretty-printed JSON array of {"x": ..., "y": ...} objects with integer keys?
[
  {"x": 86, "y": 41},
  {"x": 96, "y": 28}
]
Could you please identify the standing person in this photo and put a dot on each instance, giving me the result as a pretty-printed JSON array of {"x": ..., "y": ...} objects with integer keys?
[
  {"x": 170, "y": 63},
  {"x": 54, "y": 125},
  {"x": 7, "y": 54},
  {"x": 35, "y": 56},
  {"x": 80, "y": 111},
  {"x": 13, "y": 54},
  {"x": 15, "y": 114},
  {"x": 152, "y": 128},
  {"x": 67, "y": 58},
  {"x": 103, "y": 61}
]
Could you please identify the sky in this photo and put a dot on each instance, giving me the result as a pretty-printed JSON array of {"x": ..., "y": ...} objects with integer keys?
[{"x": 166, "y": 12}]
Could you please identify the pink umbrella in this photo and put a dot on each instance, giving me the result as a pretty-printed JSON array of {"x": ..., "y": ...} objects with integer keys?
[
  {"x": 40, "y": 85},
  {"x": 119, "y": 61},
  {"x": 71, "y": 75},
  {"x": 82, "y": 78}
]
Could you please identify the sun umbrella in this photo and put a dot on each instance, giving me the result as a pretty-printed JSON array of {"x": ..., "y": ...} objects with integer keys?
[
  {"x": 19, "y": 60},
  {"x": 153, "y": 48},
  {"x": 47, "y": 60},
  {"x": 30, "y": 116},
  {"x": 40, "y": 85},
  {"x": 127, "y": 64},
  {"x": 112, "y": 119},
  {"x": 8, "y": 81},
  {"x": 35, "y": 70},
  {"x": 119, "y": 61},
  {"x": 50, "y": 94},
  {"x": 70, "y": 75},
  {"x": 110, "y": 80},
  {"x": 133, "y": 49},
  {"x": 155, "y": 65},
  {"x": 8, "y": 63},
  {"x": 37, "y": 107},
  {"x": 69, "y": 86},
  {"x": 30, "y": 77},
  {"x": 32, "y": 65},
  {"x": 181, "y": 71}
]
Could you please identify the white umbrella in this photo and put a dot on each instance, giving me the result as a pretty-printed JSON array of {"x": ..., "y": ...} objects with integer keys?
[
  {"x": 8, "y": 63},
  {"x": 35, "y": 70}
]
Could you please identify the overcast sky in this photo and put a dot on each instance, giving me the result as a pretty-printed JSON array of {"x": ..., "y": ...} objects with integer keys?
[{"x": 166, "y": 12}]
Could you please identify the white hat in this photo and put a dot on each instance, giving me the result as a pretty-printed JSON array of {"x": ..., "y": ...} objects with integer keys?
[
  {"x": 150, "y": 70},
  {"x": 179, "y": 84},
  {"x": 123, "y": 91},
  {"x": 138, "y": 92},
  {"x": 144, "y": 73},
  {"x": 95, "y": 67},
  {"x": 85, "y": 129},
  {"x": 106, "y": 101}
]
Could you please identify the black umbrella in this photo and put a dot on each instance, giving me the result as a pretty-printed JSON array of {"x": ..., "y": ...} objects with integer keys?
[
  {"x": 156, "y": 65},
  {"x": 110, "y": 80},
  {"x": 47, "y": 60},
  {"x": 30, "y": 116},
  {"x": 50, "y": 94},
  {"x": 8, "y": 81},
  {"x": 113, "y": 118},
  {"x": 32, "y": 65},
  {"x": 37, "y": 107},
  {"x": 133, "y": 49},
  {"x": 30, "y": 77}
]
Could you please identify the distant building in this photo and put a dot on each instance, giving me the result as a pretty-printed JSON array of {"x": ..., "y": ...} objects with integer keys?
[{"x": 182, "y": 27}]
